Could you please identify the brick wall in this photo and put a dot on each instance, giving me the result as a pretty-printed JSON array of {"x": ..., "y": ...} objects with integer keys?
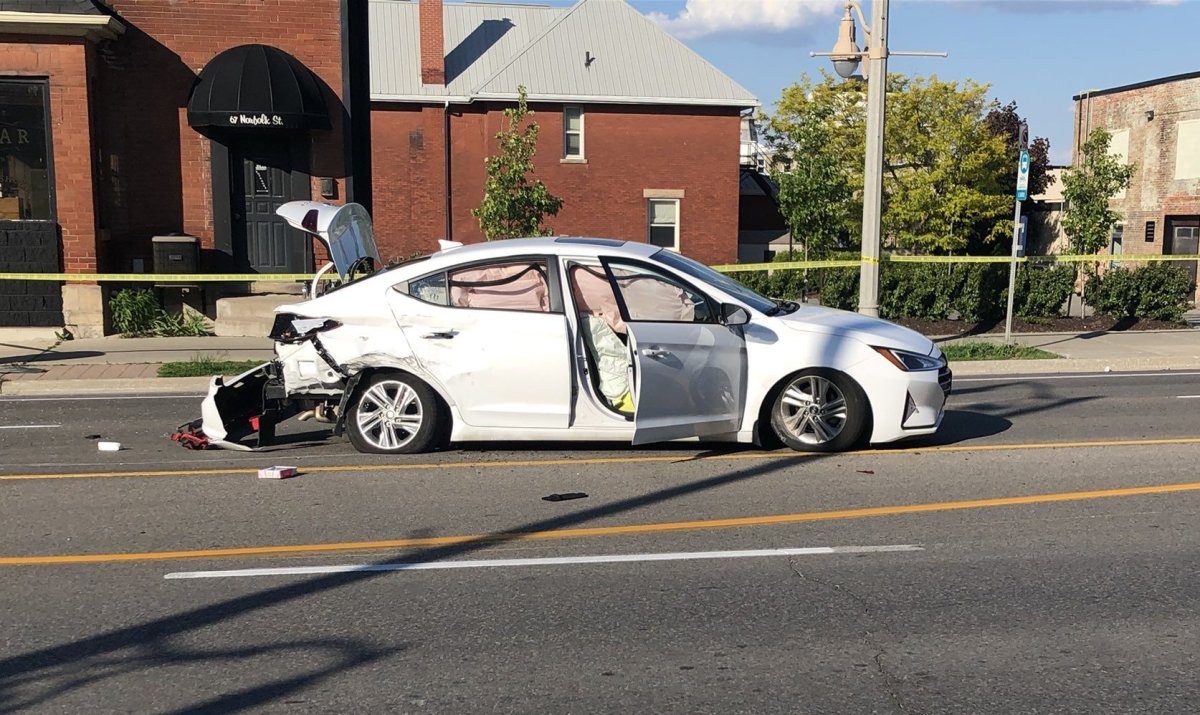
[
  {"x": 29, "y": 247},
  {"x": 1154, "y": 194},
  {"x": 156, "y": 173},
  {"x": 628, "y": 150},
  {"x": 66, "y": 63}
]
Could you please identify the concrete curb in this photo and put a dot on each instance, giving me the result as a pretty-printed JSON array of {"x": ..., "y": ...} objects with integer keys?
[
  {"x": 153, "y": 386},
  {"x": 1071, "y": 365}
]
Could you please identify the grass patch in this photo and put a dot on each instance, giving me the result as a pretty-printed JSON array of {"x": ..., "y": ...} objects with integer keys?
[
  {"x": 206, "y": 366},
  {"x": 985, "y": 350}
]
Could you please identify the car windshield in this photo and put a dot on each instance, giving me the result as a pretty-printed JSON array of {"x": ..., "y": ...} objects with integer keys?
[{"x": 703, "y": 273}]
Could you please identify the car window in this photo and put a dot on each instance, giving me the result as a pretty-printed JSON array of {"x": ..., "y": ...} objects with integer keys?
[
  {"x": 512, "y": 285},
  {"x": 431, "y": 289},
  {"x": 651, "y": 296},
  {"x": 720, "y": 280}
]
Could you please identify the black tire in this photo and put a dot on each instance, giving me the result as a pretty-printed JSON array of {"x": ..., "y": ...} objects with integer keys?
[
  {"x": 820, "y": 425},
  {"x": 395, "y": 413}
]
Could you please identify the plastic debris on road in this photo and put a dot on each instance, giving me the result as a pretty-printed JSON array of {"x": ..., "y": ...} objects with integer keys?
[{"x": 277, "y": 473}]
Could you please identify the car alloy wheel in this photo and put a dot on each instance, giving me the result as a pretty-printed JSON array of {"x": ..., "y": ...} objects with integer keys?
[
  {"x": 394, "y": 414},
  {"x": 820, "y": 411}
]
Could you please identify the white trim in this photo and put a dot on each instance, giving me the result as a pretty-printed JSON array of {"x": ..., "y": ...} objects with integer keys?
[
  {"x": 565, "y": 99},
  {"x": 92, "y": 27},
  {"x": 650, "y": 224},
  {"x": 582, "y": 155},
  {"x": 662, "y": 193}
]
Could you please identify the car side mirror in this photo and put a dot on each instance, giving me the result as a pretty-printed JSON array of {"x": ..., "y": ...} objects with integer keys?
[{"x": 734, "y": 314}]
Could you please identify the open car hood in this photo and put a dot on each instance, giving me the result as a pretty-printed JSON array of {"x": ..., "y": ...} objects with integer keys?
[{"x": 345, "y": 230}]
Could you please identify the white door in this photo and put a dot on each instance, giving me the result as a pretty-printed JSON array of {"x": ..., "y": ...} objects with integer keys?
[
  {"x": 689, "y": 369},
  {"x": 490, "y": 335}
]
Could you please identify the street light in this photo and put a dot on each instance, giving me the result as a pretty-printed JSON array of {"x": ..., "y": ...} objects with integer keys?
[{"x": 846, "y": 57}]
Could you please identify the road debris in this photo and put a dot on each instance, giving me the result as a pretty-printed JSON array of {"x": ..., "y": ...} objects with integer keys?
[
  {"x": 565, "y": 497},
  {"x": 277, "y": 473},
  {"x": 109, "y": 446}
]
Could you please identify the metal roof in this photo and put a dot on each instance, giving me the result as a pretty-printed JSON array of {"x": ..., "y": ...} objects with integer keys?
[
  {"x": 55, "y": 7},
  {"x": 493, "y": 48}
]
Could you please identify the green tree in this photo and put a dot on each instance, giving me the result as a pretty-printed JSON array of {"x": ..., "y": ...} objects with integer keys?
[
  {"x": 943, "y": 165},
  {"x": 814, "y": 181},
  {"x": 513, "y": 205},
  {"x": 1006, "y": 122},
  {"x": 1088, "y": 220}
]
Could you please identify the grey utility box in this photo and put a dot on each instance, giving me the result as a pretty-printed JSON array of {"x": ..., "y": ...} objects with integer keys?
[{"x": 176, "y": 254}]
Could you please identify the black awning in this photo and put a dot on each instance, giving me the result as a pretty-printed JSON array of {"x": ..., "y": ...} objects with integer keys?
[{"x": 257, "y": 86}]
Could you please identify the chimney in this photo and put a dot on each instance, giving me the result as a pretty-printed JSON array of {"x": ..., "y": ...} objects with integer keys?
[{"x": 433, "y": 46}]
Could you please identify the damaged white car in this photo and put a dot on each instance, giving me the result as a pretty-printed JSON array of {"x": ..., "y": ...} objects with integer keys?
[{"x": 569, "y": 339}]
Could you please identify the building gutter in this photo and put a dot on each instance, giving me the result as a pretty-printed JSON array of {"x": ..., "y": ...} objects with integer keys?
[
  {"x": 563, "y": 98},
  {"x": 90, "y": 27}
]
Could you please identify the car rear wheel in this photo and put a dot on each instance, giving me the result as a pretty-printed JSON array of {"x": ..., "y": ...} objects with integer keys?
[
  {"x": 820, "y": 411},
  {"x": 394, "y": 414}
]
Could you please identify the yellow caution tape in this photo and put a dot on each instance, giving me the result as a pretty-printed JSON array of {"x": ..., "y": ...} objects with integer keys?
[
  {"x": 159, "y": 278},
  {"x": 728, "y": 268},
  {"x": 786, "y": 265}
]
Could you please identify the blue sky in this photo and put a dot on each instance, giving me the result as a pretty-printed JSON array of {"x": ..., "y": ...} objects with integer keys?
[{"x": 1036, "y": 52}]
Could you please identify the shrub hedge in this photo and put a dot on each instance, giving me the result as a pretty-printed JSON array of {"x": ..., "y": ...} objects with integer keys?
[
  {"x": 1156, "y": 291},
  {"x": 979, "y": 291}
]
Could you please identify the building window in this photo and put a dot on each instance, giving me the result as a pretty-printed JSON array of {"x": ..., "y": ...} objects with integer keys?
[
  {"x": 24, "y": 161},
  {"x": 1149, "y": 232},
  {"x": 664, "y": 223},
  {"x": 573, "y": 133}
]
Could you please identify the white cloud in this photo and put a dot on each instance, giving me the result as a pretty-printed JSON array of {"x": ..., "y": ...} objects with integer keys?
[{"x": 710, "y": 17}]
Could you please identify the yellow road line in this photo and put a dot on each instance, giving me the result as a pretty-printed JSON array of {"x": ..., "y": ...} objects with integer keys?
[
  {"x": 498, "y": 464},
  {"x": 770, "y": 520}
]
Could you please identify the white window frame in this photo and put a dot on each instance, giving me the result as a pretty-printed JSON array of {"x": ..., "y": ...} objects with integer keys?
[
  {"x": 568, "y": 132},
  {"x": 650, "y": 221}
]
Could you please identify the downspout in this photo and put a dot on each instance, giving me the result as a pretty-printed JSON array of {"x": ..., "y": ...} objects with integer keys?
[{"x": 449, "y": 203}]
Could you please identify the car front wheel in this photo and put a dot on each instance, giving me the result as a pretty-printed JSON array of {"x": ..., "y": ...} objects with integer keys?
[
  {"x": 820, "y": 411},
  {"x": 394, "y": 414}
]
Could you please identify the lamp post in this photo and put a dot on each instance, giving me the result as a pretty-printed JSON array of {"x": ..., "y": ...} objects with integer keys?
[{"x": 846, "y": 58}]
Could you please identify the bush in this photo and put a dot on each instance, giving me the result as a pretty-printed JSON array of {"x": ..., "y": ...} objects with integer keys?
[
  {"x": 1157, "y": 291},
  {"x": 134, "y": 311},
  {"x": 1042, "y": 292}
]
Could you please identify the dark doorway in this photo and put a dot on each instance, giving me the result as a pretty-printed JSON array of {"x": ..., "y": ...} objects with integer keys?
[
  {"x": 1182, "y": 237},
  {"x": 266, "y": 172}
]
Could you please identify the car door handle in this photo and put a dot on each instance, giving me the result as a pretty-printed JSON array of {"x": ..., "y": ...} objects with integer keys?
[
  {"x": 655, "y": 352},
  {"x": 441, "y": 335}
]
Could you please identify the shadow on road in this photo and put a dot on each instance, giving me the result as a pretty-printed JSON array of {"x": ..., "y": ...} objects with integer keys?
[{"x": 62, "y": 668}]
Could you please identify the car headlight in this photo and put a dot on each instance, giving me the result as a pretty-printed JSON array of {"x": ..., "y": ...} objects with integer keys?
[{"x": 909, "y": 361}]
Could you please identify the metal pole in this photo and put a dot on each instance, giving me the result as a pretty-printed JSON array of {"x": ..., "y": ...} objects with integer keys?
[
  {"x": 1012, "y": 274},
  {"x": 868, "y": 289},
  {"x": 1022, "y": 145}
]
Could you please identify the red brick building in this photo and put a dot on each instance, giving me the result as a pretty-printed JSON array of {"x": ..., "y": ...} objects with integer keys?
[
  {"x": 1155, "y": 125},
  {"x": 126, "y": 120}
]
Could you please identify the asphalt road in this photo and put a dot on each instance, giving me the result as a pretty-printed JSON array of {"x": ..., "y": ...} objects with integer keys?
[{"x": 1040, "y": 555}]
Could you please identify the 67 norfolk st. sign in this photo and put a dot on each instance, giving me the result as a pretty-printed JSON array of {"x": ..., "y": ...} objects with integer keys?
[{"x": 256, "y": 120}]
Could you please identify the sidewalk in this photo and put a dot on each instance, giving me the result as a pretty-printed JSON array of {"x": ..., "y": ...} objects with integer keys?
[
  {"x": 28, "y": 365},
  {"x": 31, "y": 363}
]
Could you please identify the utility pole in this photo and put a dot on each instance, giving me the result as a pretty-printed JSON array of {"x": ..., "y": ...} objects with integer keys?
[{"x": 1022, "y": 194}]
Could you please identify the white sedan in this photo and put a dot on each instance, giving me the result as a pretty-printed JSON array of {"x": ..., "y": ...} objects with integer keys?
[{"x": 571, "y": 339}]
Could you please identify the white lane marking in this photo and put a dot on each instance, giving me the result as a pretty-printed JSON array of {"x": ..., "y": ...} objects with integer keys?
[
  {"x": 1038, "y": 378},
  {"x": 551, "y": 561},
  {"x": 28, "y": 426},
  {"x": 1187, "y": 397},
  {"x": 106, "y": 398}
]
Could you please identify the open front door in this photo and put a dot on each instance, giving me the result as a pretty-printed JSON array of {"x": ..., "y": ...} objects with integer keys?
[
  {"x": 690, "y": 380},
  {"x": 690, "y": 370}
]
